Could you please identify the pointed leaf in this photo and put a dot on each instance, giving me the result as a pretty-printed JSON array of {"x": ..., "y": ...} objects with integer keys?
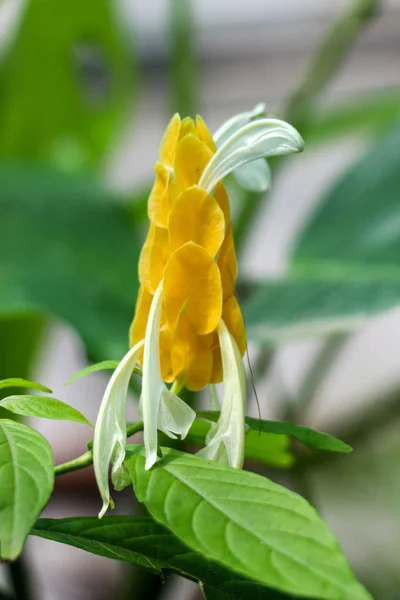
[
  {"x": 44, "y": 407},
  {"x": 27, "y": 477},
  {"x": 246, "y": 523},
  {"x": 100, "y": 366},
  {"x": 317, "y": 440},
  {"x": 23, "y": 383}
]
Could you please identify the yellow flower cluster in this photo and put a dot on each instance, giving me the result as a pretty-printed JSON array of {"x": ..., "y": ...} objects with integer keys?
[{"x": 190, "y": 249}]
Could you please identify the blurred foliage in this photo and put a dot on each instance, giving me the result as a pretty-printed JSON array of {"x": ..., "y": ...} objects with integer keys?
[
  {"x": 64, "y": 84},
  {"x": 69, "y": 250}
]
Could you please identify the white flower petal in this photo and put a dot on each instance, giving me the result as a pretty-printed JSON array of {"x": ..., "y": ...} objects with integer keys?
[
  {"x": 258, "y": 139},
  {"x": 230, "y": 126},
  {"x": 214, "y": 397},
  {"x": 153, "y": 384},
  {"x": 254, "y": 176},
  {"x": 161, "y": 409},
  {"x": 225, "y": 440},
  {"x": 110, "y": 431},
  {"x": 174, "y": 415}
]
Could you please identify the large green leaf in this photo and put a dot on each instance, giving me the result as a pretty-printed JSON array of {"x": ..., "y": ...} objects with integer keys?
[
  {"x": 27, "y": 476},
  {"x": 67, "y": 249},
  {"x": 44, "y": 407},
  {"x": 245, "y": 522},
  {"x": 355, "y": 234},
  {"x": 317, "y": 440},
  {"x": 289, "y": 309},
  {"x": 64, "y": 83},
  {"x": 144, "y": 543}
]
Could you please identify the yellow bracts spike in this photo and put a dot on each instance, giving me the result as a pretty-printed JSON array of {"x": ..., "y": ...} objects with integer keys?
[
  {"x": 204, "y": 134},
  {"x": 192, "y": 278},
  {"x": 227, "y": 263},
  {"x": 190, "y": 249},
  {"x": 196, "y": 216},
  {"x": 153, "y": 258},
  {"x": 191, "y": 158},
  {"x": 169, "y": 141}
]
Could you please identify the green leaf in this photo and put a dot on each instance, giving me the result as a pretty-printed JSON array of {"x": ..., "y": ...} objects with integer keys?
[
  {"x": 27, "y": 477},
  {"x": 67, "y": 248},
  {"x": 144, "y": 543},
  {"x": 100, "y": 366},
  {"x": 316, "y": 440},
  {"x": 246, "y": 523},
  {"x": 288, "y": 309},
  {"x": 367, "y": 113},
  {"x": 44, "y": 407},
  {"x": 267, "y": 448},
  {"x": 24, "y": 383},
  {"x": 81, "y": 73},
  {"x": 354, "y": 236}
]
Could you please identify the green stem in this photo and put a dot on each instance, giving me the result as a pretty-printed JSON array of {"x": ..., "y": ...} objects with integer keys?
[
  {"x": 328, "y": 59},
  {"x": 183, "y": 61},
  {"x": 86, "y": 459}
]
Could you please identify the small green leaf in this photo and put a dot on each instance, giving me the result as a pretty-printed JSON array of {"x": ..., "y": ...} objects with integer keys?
[
  {"x": 317, "y": 440},
  {"x": 43, "y": 406},
  {"x": 100, "y": 366},
  {"x": 24, "y": 383},
  {"x": 144, "y": 543},
  {"x": 268, "y": 448},
  {"x": 246, "y": 523},
  {"x": 27, "y": 477}
]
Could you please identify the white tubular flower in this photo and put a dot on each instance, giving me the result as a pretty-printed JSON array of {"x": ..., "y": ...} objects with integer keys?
[
  {"x": 225, "y": 441},
  {"x": 161, "y": 409},
  {"x": 110, "y": 431},
  {"x": 258, "y": 139}
]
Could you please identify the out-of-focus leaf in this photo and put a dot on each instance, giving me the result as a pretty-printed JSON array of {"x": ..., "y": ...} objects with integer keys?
[
  {"x": 100, "y": 366},
  {"x": 44, "y": 407},
  {"x": 67, "y": 248},
  {"x": 268, "y": 448},
  {"x": 64, "y": 82},
  {"x": 24, "y": 383},
  {"x": 144, "y": 543},
  {"x": 27, "y": 476},
  {"x": 355, "y": 235},
  {"x": 372, "y": 112},
  {"x": 246, "y": 523},
  {"x": 20, "y": 336},
  {"x": 287, "y": 309},
  {"x": 317, "y": 440}
]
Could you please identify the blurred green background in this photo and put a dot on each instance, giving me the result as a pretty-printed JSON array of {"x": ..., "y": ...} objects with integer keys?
[{"x": 86, "y": 89}]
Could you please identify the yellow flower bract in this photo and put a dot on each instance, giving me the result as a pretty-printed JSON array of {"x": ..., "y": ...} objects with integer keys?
[{"x": 190, "y": 248}]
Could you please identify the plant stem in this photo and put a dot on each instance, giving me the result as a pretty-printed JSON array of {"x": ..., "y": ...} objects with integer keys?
[
  {"x": 20, "y": 580},
  {"x": 183, "y": 62},
  {"x": 86, "y": 459},
  {"x": 328, "y": 59}
]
